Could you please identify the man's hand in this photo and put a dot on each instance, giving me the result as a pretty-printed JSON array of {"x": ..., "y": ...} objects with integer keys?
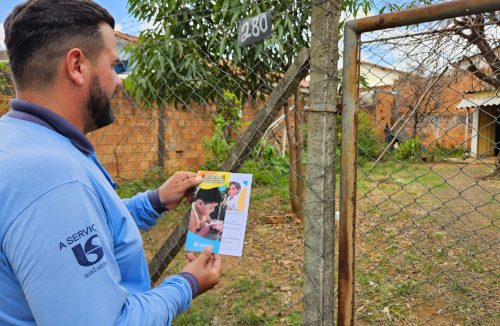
[
  {"x": 178, "y": 186},
  {"x": 206, "y": 268}
]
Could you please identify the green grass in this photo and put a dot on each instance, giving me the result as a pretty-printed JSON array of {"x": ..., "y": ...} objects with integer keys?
[
  {"x": 294, "y": 319},
  {"x": 249, "y": 298},
  {"x": 201, "y": 313}
]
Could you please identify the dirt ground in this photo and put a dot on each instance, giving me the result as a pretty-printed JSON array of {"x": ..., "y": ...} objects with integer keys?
[
  {"x": 427, "y": 253},
  {"x": 429, "y": 243}
]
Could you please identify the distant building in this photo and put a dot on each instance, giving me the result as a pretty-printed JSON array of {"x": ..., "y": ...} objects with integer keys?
[
  {"x": 375, "y": 75},
  {"x": 376, "y": 79},
  {"x": 122, "y": 41}
]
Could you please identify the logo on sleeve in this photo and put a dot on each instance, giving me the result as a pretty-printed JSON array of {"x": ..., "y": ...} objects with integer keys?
[
  {"x": 85, "y": 245},
  {"x": 90, "y": 253}
]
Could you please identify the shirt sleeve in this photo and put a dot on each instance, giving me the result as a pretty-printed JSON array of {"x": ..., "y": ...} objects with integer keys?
[
  {"x": 61, "y": 251},
  {"x": 142, "y": 211}
]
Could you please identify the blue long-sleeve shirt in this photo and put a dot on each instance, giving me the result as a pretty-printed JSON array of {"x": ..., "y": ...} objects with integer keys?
[{"x": 70, "y": 248}]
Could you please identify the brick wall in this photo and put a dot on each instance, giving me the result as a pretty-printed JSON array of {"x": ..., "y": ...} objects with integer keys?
[{"x": 129, "y": 147}]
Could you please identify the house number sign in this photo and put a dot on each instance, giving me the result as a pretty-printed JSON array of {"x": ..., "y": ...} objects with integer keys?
[{"x": 254, "y": 29}]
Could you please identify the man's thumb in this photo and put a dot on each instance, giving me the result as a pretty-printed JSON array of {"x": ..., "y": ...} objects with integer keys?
[
  {"x": 206, "y": 254},
  {"x": 192, "y": 182}
]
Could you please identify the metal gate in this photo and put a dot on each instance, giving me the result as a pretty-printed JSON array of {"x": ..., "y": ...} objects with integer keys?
[{"x": 420, "y": 177}]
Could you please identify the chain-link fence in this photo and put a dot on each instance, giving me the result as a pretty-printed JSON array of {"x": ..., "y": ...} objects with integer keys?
[
  {"x": 194, "y": 100},
  {"x": 427, "y": 195},
  {"x": 428, "y": 179}
]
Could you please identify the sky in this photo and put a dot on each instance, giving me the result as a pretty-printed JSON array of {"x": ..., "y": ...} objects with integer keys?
[{"x": 117, "y": 8}]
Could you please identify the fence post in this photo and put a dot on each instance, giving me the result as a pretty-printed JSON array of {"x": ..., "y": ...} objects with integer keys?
[
  {"x": 319, "y": 224},
  {"x": 348, "y": 178}
]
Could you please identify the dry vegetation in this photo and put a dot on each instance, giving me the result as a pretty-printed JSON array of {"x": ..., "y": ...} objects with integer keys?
[{"x": 427, "y": 253}]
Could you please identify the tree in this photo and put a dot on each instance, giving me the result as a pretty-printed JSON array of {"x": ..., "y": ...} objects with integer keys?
[
  {"x": 193, "y": 56},
  {"x": 6, "y": 85},
  {"x": 472, "y": 29},
  {"x": 413, "y": 86},
  {"x": 192, "y": 52}
]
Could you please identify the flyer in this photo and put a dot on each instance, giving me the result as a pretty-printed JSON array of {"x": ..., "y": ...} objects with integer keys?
[{"x": 219, "y": 213}]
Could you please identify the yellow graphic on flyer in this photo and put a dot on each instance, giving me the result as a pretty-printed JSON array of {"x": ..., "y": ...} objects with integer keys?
[{"x": 214, "y": 179}]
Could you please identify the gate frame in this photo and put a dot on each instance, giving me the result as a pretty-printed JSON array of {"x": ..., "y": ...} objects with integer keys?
[{"x": 350, "y": 94}]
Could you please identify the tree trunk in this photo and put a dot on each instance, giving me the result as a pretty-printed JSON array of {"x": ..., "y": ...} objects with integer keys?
[
  {"x": 292, "y": 153},
  {"x": 161, "y": 137},
  {"x": 497, "y": 169},
  {"x": 299, "y": 144},
  {"x": 415, "y": 124}
]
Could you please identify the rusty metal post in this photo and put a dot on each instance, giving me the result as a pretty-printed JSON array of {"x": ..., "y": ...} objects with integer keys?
[
  {"x": 445, "y": 10},
  {"x": 348, "y": 178},
  {"x": 353, "y": 30}
]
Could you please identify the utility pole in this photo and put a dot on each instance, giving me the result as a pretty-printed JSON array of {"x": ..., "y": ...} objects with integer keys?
[{"x": 319, "y": 228}]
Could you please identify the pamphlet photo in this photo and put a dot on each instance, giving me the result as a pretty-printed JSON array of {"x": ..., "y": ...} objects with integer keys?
[{"x": 219, "y": 213}]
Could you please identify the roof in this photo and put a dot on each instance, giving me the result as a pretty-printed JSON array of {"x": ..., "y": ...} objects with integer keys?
[
  {"x": 126, "y": 37},
  {"x": 364, "y": 62},
  {"x": 478, "y": 99}
]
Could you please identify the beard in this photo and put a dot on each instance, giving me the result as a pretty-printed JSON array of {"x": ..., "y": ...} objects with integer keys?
[{"x": 98, "y": 107}]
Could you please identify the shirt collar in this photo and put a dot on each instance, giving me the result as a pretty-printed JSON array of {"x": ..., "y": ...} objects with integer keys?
[{"x": 28, "y": 111}]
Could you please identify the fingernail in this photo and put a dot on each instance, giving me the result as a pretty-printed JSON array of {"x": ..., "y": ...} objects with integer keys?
[{"x": 198, "y": 179}]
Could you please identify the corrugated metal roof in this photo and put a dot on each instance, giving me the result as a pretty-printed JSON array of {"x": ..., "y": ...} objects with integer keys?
[{"x": 477, "y": 101}]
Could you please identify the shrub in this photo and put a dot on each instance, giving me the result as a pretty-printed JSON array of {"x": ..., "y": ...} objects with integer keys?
[
  {"x": 370, "y": 145},
  {"x": 440, "y": 150},
  {"x": 6, "y": 85},
  {"x": 267, "y": 165},
  {"x": 227, "y": 124},
  {"x": 410, "y": 148}
]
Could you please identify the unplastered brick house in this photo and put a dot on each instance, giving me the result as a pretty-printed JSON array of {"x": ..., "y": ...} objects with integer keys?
[{"x": 458, "y": 110}]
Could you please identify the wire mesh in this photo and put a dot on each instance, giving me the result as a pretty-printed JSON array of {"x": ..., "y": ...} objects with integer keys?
[
  {"x": 168, "y": 121},
  {"x": 428, "y": 186},
  {"x": 427, "y": 236}
]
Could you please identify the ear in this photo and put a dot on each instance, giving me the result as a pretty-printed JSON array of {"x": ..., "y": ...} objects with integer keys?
[{"x": 76, "y": 66}]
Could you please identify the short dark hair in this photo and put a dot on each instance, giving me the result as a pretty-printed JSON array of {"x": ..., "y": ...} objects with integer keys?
[
  {"x": 39, "y": 32},
  {"x": 236, "y": 184},
  {"x": 208, "y": 195}
]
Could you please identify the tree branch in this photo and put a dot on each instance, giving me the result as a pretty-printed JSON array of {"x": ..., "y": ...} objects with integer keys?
[
  {"x": 481, "y": 75},
  {"x": 477, "y": 38}
]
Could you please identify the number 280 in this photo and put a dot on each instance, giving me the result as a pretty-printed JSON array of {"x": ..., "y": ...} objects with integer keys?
[{"x": 254, "y": 27}]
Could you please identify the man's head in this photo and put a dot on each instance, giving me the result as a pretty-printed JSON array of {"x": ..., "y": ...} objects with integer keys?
[
  {"x": 47, "y": 38},
  {"x": 38, "y": 33},
  {"x": 206, "y": 200}
]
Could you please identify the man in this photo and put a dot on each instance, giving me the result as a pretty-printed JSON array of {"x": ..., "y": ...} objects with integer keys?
[{"x": 70, "y": 248}]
